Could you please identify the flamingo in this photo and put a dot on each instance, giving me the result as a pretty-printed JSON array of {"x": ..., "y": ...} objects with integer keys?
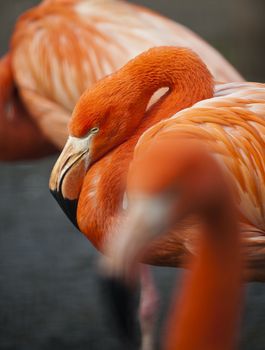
[
  {"x": 60, "y": 48},
  {"x": 190, "y": 182},
  {"x": 114, "y": 120},
  {"x": 111, "y": 122}
]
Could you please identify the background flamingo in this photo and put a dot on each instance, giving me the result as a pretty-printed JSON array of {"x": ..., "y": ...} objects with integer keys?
[
  {"x": 60, "y": 48},
  {"x": 206, "y": 315}
]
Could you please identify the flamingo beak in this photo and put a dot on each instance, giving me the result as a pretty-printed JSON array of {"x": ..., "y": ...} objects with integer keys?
[{"x": 68, "y": 174}]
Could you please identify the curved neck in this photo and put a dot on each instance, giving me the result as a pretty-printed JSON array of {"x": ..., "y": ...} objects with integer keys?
[{"x": 178, "y": 69}]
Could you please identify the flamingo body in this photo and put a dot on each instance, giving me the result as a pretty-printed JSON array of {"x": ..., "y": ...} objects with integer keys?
[{"x": 232, "y": 125}]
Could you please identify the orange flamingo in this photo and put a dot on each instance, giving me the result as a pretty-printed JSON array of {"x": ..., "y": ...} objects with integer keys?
[
  {"x": 62, "y": 47},
  {"x": 190, "y": 182},
  {"x": 89, "y": 178}
]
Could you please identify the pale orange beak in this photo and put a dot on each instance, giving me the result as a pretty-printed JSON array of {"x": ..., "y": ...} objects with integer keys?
[{"x": 68, "y": 174}]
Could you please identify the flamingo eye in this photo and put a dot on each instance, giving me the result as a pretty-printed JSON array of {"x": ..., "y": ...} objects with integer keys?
[
  {"x": 90, "y": 133},
  {"x": 94, "y": 130}
]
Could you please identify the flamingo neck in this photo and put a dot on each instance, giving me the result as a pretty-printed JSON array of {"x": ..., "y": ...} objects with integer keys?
[
  {"x": 209, "y": 305},
  {"x": 178, "y": 69},
  {"x": 123, "y": 98},
  {"x": 188, "y": 81}
]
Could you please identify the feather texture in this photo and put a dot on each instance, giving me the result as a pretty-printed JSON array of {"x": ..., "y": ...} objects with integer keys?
[{"x": 62, "y": 47}]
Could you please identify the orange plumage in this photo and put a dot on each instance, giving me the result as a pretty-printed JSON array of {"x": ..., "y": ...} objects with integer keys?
[
  {"x": 62, "y": 47},
  {"x": 231, "y": 124},
  {"x": 15, "y": 125}
]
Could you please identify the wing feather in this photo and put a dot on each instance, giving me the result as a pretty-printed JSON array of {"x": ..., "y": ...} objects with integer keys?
[{"x": 232, "y": 124}]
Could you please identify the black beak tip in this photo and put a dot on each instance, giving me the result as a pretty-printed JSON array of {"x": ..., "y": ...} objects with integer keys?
[
  {"x": 121, "y": 303},
  {"x": 68, "y": 206}
]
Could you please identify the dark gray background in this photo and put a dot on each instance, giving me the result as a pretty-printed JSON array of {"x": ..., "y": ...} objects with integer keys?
[{"x": 49, "y": 298}]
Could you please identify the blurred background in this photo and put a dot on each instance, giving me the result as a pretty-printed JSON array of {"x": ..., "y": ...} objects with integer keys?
[{"x": 49, "y": 296}]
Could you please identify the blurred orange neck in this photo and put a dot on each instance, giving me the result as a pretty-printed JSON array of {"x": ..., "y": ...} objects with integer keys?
[{"x": 207, "y": 313}]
